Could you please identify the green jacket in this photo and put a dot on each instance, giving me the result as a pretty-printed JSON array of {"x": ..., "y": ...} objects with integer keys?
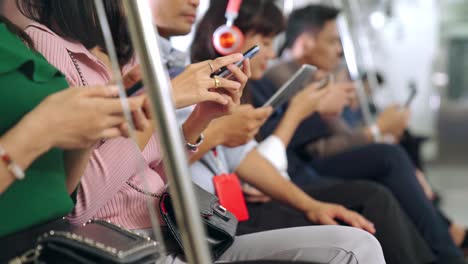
[{"x": 25, "y": 80}]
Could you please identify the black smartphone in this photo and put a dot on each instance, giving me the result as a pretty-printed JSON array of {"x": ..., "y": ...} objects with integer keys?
[
  {"x": 135, "y": 88},
  {"x": 224, "y": 72},
  {"x": 412, "y": 95}
]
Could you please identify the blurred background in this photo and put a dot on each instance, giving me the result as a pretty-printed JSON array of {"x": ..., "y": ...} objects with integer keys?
[{"x": 423, "y": 43}]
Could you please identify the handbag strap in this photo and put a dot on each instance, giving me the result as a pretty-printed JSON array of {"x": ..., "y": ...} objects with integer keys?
[
  {"x": 138, "y": 189},
  {"x": 209, "y": 166},
  {"x": 219, "y": 167}
]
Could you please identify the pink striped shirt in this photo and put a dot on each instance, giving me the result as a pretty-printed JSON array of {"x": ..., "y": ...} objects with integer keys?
[{"x": 104, "y": 192}]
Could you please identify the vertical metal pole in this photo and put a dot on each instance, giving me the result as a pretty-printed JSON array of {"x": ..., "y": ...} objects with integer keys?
[
  {"x": 117, "y": 76},
  {"x": 159, "y": 89},
  {"x": 365, "y": 47},
  {"x": 352, "y": 59}
]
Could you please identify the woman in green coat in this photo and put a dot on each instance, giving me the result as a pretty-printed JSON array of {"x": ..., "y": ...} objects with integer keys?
[{"x": 46, "y": 133}]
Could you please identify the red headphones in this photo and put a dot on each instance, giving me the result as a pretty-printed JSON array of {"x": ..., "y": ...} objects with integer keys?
[{"x": 227, "y": 38}]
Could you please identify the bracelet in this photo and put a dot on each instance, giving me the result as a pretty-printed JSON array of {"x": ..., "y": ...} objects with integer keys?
[
  {"x": 11, "y": 165},
  {"x": 194, "y": 147},
  {"x": 375, "y": 131}
]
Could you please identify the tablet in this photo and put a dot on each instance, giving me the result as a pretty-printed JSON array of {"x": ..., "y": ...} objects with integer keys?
[{"x": 292, "y": 86}]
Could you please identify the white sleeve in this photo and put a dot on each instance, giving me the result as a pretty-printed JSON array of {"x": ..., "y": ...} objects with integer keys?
[{"x": 273, "y": 150}]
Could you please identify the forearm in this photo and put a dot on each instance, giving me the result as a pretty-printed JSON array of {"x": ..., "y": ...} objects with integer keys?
[
  {"x": 212, "y": 139},
  {"x": 143, "y": 137},
  {"x": 341, "y": 139},
  {"x": 75, "y": 165},
  {"x": 332, "y": 145},
  {"x": 287, "y": 126},
  {"x": 194, "y": 126},
  {"x": 259, "y": 173},
  {"x": 22, "y": 148}
]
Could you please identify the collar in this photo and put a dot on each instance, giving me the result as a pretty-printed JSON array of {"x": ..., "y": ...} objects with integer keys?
[
  {"x": 74, "y": 47},
  {"x": 171, "y": 57}
]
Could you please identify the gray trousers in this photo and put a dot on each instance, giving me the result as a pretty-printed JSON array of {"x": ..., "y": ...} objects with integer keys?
[{"x": 315, "y": 244}]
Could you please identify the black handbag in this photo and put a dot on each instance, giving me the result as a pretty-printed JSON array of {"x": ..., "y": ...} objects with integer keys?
[
  {"x": 96, "y": 242},
  {"x": 221, "y": 225}
]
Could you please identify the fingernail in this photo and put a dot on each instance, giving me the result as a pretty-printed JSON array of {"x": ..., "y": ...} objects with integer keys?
[{"x": 113, "y": 89}]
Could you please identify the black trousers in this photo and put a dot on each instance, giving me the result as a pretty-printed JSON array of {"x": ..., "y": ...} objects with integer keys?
[
  {"x": 390, "y": 166},
  {"x": 401, "y": 243}
]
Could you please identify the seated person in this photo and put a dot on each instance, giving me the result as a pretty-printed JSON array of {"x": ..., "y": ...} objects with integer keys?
[
  {"x": 218, "y": 158},
  {"x": 312, "y": 37},
  {"x": 111, "y": 181},
  {"x": 45, "y": 135}
]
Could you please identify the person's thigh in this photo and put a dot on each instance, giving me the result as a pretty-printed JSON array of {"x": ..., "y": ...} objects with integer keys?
[
  {"x": 322, "y": 244},
  {"x": 365, "y": 162},
  {"x": 400, "y": 240},
  {"x": 390, "y": 166},
  {"x": 269, "y": 216}
]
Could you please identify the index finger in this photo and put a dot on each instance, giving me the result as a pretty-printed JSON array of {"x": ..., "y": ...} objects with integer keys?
[
  {"x": 100, "y": 91},
  {"x": 357, "y": 221},
  {"x": 366, "y": 224},
  {"x": 246, "y": 68},
  {"x": 114, "y": 105},
  {"x": 262, "y": 112},
  {"x": 220, "y": 62},
  {"x": 132, "y": 76}
]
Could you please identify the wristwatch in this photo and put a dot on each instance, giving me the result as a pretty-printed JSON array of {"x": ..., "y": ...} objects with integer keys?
[{"x": 194, "y": 147}]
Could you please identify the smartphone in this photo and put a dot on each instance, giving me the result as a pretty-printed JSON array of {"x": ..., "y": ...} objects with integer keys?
[
  {"x": 224, "y": 72},
  {"x": 292, "y": 86},
  {"x": 134, "y": 89},
  {"x": 412, "y": 95}
]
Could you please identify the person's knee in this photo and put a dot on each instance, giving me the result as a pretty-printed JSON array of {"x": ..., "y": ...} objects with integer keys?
[
  {"x": 367, "y": 248},
  {"x": 388, "y": 151},
  {"x": 373, "y": 191},
  {"x": 369, "y": 188}
]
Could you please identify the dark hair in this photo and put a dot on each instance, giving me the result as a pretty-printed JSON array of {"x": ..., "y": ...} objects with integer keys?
[
  {"x": 378, "y": 76},
  {"x": 78, "y": 21},
  {"x": 311, "y": 18},
  {"x": 17, "y": 31},
  {"x": 258, "y": 16}
]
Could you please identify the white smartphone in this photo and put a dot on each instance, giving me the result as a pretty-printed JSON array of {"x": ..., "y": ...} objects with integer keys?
[{"x": 292, "y": 86}]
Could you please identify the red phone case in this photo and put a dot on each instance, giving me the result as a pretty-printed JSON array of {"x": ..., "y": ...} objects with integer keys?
[{"x": 229, "y": 192}]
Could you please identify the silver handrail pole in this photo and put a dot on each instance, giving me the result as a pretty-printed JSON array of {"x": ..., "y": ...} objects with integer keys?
[
  {"x": 352, "y": 58},
  {"x": 158, "y": 87},
  {"x": 364, "y": 43},
  {"x": 117, "y": 76}
]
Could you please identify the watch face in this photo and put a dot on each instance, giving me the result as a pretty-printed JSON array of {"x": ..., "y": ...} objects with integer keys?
[{"x": 194, "y": 147}]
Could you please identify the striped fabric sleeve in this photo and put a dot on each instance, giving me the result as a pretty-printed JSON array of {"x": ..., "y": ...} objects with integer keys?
[{"x": 110, "y": 167}]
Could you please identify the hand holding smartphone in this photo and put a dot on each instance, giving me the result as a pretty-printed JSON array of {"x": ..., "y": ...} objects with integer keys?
[
  {"x": 134, "y": 89},
  {"x": 224, "y": 72},
  {"x": 292, "y": 86}
]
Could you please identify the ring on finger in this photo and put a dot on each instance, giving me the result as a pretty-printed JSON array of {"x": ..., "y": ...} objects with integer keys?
[
  {"x": 216, "y": 81},
  {"x": 211, "y": 66}
]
